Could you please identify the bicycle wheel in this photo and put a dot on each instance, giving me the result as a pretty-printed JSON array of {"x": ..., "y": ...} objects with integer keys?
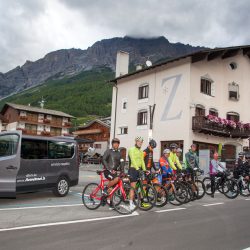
[
  {"x": 121, "y": 204},
  {"x": 230, "y": 188},
  {"x": 180, "y": 194},
  {"x": 147, "y": 197},
  {"x": 92, "y": 196},
  {"x": 201, "y": 189},
  {"x": 162, "y": 195},
  {"x": 189, "y": 192},
  {"x": 244, "y": 188},
  {"x": 207, "y": 184}
]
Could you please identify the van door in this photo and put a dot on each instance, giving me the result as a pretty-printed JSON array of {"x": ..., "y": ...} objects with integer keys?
[{"x": 10, "y": 145}]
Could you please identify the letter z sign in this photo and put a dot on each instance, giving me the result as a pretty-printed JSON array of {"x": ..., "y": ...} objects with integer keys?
[{"x": 165, "y": 81}]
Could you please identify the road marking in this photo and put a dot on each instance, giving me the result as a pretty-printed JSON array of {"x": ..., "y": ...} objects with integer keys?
[
  {"x": 36, "y": 207},
  {"x": 213, "y": 204},
  {"x": 247, "y": 199},
  {"x": 169, "y": 210},
  {"x": 68, "y": 222}
]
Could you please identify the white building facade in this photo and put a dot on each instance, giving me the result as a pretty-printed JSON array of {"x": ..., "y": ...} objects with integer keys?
[{"x": 183, "y": 92}]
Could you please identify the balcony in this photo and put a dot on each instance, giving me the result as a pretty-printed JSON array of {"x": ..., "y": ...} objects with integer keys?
[{"x": 202, "y": 124}]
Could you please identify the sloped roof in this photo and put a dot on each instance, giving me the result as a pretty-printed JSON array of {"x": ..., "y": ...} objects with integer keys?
[
  {"x": 208, "y": 54},
  {"x": 104, "y": 121},
  {"x": 35, "y": 109}
]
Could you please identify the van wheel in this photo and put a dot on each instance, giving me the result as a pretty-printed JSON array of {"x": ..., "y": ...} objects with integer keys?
[{"x": 62, "y": 187}]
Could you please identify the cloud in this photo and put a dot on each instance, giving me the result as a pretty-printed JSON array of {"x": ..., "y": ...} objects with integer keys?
[{"x": 30, "y": 29}]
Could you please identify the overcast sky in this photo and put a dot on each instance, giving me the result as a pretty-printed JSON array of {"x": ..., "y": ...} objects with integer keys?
[{"x": 31, "y": 28}]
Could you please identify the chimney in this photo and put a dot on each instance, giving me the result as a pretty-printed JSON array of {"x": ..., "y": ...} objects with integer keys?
[
  {"x": 138, "y": 67},
  {"x": 122, "y": 62}
]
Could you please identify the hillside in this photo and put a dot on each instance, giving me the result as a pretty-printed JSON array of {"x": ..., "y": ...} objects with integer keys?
[
  {"x": 69, "y": 62},
  {"x": 84, "y": 94}
]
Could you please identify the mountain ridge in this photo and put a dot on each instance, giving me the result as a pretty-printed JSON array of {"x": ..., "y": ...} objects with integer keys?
[{"x": 67, "y": 62}]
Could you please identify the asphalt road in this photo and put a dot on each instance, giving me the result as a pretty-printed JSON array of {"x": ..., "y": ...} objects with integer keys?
[{"x": 41, "y": 221}]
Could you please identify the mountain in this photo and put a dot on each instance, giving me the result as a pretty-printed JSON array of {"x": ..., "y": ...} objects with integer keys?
[
  {"x": 68, "y": 62},
  {"x": 82, "y": 95}
]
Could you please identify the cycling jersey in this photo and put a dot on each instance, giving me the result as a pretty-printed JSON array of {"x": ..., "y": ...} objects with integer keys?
[
  {"x": 166, "y": 169},
  {"x": 192, "y": 160},
  {"x": 174, "y": 161},
  {"x": 148, "y": 158},
  {"x": 136, "y": 158}
]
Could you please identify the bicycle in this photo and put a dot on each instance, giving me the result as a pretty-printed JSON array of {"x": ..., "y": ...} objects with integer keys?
[
  {"x": 243, "y": 183},
  {"x": 223, "y": 184},
  {"x": 161, "y": 191},
  {"x": 177, "y": 192},
  {"x": 93, "y": 195},
  {"x": 146, "y": 193}
]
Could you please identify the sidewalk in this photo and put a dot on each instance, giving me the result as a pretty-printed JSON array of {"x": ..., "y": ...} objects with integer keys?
[{"x": 90, "y": 167}]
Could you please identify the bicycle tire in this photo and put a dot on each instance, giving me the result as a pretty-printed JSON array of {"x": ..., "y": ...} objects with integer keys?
[
  {"x": 201, "y": 189},
  {"x": 147, "y": 198},
  {"x": 123, "y": 206},
  {"x": 162, "y": 195},
  {"x": 244, "y": 191},
  {"x": 233, "y": 189},
  {"x": 207, "y": 184},
  {"x": 88, "y": 200},
  {"x": 180, "y": 193}
]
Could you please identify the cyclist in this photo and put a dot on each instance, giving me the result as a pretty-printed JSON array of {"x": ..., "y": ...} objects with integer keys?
[
  {"x": 112, "y": 162},
  {"x": 173, "y": 158},
  {"x": 136, "y": 162},
  {"x": 216, "y": 169},
  {"x": 192, "y": 160},
  {"x": 240, "y": 160},
  {"x": 148, "y": 156},
  {"x": 164, "y": 164}
]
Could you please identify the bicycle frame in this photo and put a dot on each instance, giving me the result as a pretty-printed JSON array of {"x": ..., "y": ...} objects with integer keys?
[{"x": 119, "y": 185}]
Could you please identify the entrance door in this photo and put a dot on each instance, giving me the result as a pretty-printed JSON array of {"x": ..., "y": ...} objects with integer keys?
[{"x": 10, "y": 145}]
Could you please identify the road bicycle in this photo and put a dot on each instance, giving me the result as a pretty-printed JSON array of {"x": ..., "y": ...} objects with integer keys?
[
  {"x": 224, "y": 184},
  {"x": 93, "y": 195},
  {"x": 146, "y": 193},
  {"x": 161, "y": 191}
]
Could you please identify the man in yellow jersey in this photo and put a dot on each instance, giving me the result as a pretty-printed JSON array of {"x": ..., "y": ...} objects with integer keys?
[{"x": 173, "y": 158}]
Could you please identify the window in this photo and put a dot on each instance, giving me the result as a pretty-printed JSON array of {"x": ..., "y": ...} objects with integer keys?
[
  {"x": 233, "y": 65},
  {"x": 199, "y": 110},
  {"x": 61, "y": 150},
  {"x": 233, "y": 91},
  {"x": 142, "y": 117},
  {"x": 233, "y": 116},
  {"x": 213, "y": 112},
  {"x": 206, "y": 86},
  {"x": 8, "y": 145},
  {"x": 31, "y": 128},
  {"x": 123, "y": 130},
  {"x": 124, "y": 105},
  {"x": 34, "y": 149},
  {"x": 56, "y": 131},
  {"x": 143, "y": 92}
]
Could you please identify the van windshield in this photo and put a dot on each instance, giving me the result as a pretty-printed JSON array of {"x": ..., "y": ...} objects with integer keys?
[{"x": 8, "y": 144}]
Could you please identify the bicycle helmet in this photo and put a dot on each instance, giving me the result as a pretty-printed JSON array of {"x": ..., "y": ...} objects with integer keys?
[
  {"x": 139, "y": 138},
  {"x": 173, "y": 145},
  {"x": 116, "y": 140},
  {"x": 166, "y": 151},
  {"x": 179, "y": 150},
  {"x": 152, "y": 143},
  {"x": 241, "y": 154}
]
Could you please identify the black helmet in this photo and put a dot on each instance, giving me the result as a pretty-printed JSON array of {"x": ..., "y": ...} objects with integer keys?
[
  {"x": 115, "y": 140},
  {"x": 152, "y": 143},
  {"x": 173, "y": 145}
]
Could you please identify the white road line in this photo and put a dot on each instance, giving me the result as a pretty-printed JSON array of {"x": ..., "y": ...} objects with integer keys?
[
  {"x": 169, "y": 210},
  {"x": 36, "y": 207},
  {"x": 247, "y": 199},
  {"x": 67, "y": 222},
  {"x": 213, "y": 204}
]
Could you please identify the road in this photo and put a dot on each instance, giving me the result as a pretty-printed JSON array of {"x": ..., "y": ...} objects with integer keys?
[{"x": 41, "y": 221}]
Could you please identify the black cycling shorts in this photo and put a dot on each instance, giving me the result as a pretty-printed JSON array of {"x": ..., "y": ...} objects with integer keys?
[
  {"x": 133, "y": 174},
  {"x": 108, "y": 175}
]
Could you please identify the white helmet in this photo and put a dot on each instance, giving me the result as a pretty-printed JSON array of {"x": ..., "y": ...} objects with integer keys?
[{"x": 166, "y": 151}]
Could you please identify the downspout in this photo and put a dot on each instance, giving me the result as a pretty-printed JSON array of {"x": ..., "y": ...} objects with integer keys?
[{"x": 116, "y": 94}]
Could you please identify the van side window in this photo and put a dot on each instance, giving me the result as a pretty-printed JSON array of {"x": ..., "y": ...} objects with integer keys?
[
  {"x": 8, "y": 145},
  {"x": 34, "y": 149},
  {"x": 60, "y": 150}
]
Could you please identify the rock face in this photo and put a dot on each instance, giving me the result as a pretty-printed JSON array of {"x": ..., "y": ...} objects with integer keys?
[{"x": 72, "y": 61}]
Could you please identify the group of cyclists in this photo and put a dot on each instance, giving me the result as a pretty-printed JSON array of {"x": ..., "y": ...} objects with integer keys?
[{"x": 169, "y": 166}]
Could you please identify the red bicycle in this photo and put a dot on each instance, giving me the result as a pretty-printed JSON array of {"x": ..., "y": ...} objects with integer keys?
[{"x": 93, "y": 195}]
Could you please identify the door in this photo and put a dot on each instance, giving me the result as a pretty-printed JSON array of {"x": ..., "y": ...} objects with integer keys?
[{"x": 10, "y": 145}]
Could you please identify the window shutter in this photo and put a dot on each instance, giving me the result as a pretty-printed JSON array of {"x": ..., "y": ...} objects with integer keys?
[{"x": 212, "y": 89}]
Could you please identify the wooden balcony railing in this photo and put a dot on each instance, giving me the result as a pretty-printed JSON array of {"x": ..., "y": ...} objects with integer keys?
[{"x": 201, "y": 124}]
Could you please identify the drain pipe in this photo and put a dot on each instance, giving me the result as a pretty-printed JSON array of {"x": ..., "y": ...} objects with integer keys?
[{"x": 116, "y": 94}]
